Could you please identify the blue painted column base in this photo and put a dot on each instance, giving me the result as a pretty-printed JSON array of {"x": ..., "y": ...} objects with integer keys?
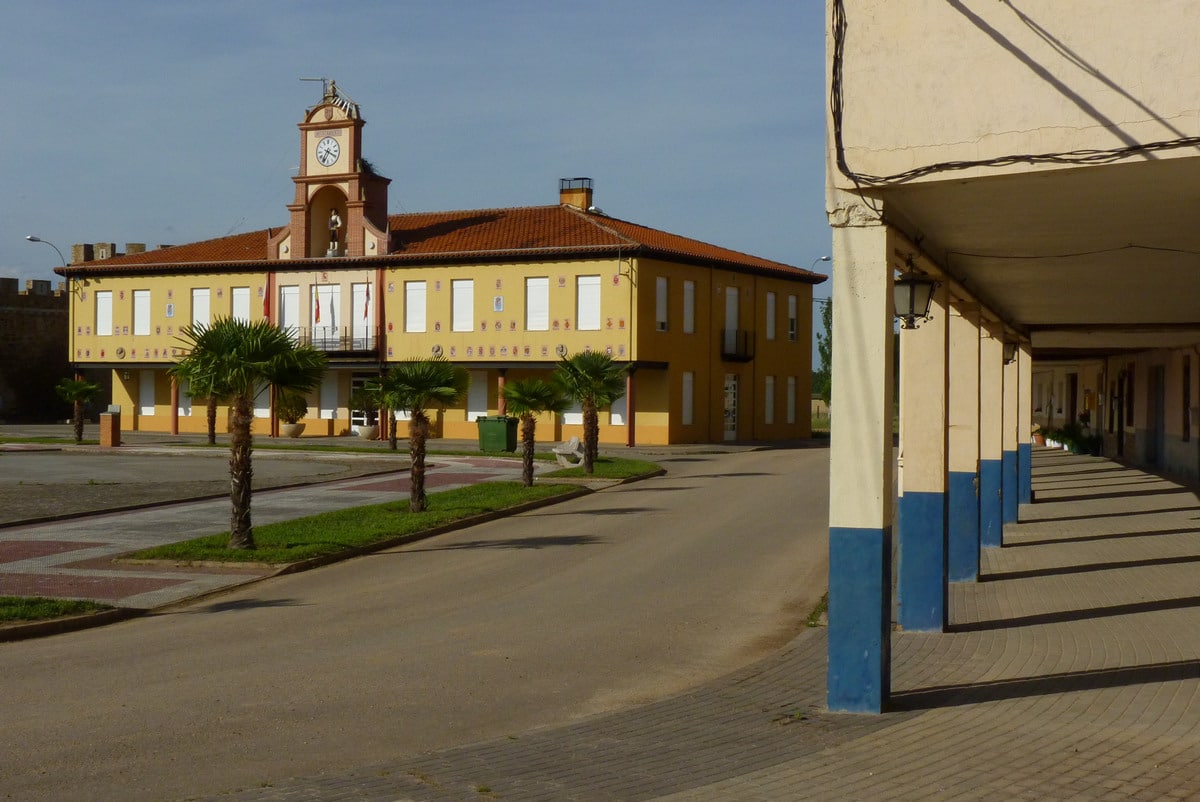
[
  {"x": 962, "y": 546},
  {"x": 921, "y": 574},
  {"x": 1008, "y": 465},
  {"x": 1024, "y": 473},
  {"x": 991, "y": 523},
  {"x": 860, "y": 600}
]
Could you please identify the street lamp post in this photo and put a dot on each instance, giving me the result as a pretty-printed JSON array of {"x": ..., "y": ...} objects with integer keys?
[{"x": 32, "y": 238}]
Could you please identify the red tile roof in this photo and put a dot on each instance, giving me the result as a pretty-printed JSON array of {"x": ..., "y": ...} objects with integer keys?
[{"x": 522, "y": 233}]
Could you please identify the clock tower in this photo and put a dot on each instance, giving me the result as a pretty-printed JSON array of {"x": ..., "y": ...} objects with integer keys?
[{"x": 340, "y": 208}]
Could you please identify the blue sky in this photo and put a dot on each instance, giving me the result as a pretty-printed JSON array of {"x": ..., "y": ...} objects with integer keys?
[{"x": 170, "y": 122}]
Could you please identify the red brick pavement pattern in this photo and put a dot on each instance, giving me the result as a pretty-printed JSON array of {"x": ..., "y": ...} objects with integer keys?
[
  {"x": 70, "y": 586},
  {"x": 14, "y": 550}
]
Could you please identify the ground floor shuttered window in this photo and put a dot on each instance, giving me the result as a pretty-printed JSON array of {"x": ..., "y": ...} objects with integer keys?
[{"x": 687, "y": 413}]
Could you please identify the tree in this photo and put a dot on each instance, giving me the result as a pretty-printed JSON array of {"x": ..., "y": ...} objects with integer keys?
[
  {"x": 823, "y": 376},
  {"x": 594, "y": 380},
  {"x": 414, "y": 386},
  {"x": 244, "y": 359},
  {"x": 78, "y": 393},
  {"x": 202, "y": 387},
  {"x": 527, "y": 398}
]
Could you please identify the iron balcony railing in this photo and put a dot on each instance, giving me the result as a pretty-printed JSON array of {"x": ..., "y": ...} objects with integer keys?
[
  {"x": 339, "y": 339},
  {"x": 737, "y": 345}
]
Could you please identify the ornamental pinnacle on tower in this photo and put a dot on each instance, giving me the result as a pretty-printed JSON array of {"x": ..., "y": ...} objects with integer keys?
[{"x": 340, "y": 208}]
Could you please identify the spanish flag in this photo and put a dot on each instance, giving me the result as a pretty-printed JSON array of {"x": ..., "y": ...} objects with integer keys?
[{"x": 317, "y": 317}]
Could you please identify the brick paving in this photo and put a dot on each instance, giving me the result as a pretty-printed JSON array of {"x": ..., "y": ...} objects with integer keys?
[
  {"x": 1070, "y": 671},
  {"x": 73, "y": 557}
]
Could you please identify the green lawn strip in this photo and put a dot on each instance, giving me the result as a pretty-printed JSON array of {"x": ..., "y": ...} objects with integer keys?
[
  {"x": 609, "y": 468},
  {"x": 36, "y": 608},
  {"x": 341, "y": 530}
]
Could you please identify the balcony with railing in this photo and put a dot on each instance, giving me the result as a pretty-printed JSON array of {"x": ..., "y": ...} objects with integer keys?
[
  {"x": 737, "y": 345},
  {"x": 346, "y": 341}
]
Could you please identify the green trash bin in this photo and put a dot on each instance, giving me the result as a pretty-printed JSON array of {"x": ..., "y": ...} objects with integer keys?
[{"x": 497, "y": 433}]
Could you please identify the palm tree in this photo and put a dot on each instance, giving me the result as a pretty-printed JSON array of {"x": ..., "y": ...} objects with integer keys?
[
  {"x": 243, "y": 359},
  {"x": 390, "y": 395},
  {"x": 77, "y": 392},
  {"x": 527, "y": 398},
  {"x": 414, "y": 386},
  {"x": 594, "y": 380},
  {"x": 202, "y": 387}
]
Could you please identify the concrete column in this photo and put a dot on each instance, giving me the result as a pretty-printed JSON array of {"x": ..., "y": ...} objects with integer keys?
[
  {"x": 991, "y": 429},
  {"x": 501, "y": 401},
  {"x": 1024, "y": 424},
  {"x": 861, "y": 491},
  {"x": 921, "y": 518},
  {"x": 174, "y": 405},
  {"x": 1008, "y": 483},
  {"x": 962, "y": 488}
]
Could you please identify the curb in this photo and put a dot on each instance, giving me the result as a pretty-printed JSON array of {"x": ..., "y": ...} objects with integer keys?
[
  {"x": 73, "y": 623},
  {"x": 15, "y": 632}
]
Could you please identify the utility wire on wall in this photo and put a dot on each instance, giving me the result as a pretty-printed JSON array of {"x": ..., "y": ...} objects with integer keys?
[{"x": 1070, "y": 157}]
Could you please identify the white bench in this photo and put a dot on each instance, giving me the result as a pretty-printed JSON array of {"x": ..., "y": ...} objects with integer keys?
[{"x": 570, "y": 453}]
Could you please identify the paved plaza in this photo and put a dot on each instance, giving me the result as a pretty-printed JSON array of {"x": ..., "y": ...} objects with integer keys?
[{"x": 1071, "y": 670}]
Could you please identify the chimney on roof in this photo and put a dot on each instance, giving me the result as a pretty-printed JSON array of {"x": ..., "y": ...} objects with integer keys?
[
  {"x": 82, "y": 252},
  {"x": 135, "y": 247},
  {"x": 575, "y": 192}
]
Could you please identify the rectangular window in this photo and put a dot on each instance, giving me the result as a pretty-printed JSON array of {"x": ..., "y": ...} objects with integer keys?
[
  {"x": 537, "y": 304},
  {"x": 414, "y": 306},
  {"x": 573, "y": 415},
  {"x": 200, "y": 309},
  {"x": 791, "y": 399},
  {"x": 146, "y": 393},
  {"x": 289, "y": 315},
  {"x": 769, "y": 401},
  {"x": 660, "y": 303},
  {"x": 141, "y": 311},
  {"x": 618, "y": 412},
  {"x": 686, "y": 416},
  {"x": 587, "y": 303},
  {"x": 362, "y": 317},
  {"x": 477, "y": 395},
  {"x": 326, "y": 309},
  {"x": 462, "y": 304},
  {"x": 185, "y": 399},
  {"x": 793, "y": 319},
  {"x": 327, "y": 397},
  {"x": 732, "y": 306},
  {"x": 104, "y": 313},
  {"x": 239, "y": 304},
  {"x": 770, "y": 316},
  {"x": 689, "y": 307}
]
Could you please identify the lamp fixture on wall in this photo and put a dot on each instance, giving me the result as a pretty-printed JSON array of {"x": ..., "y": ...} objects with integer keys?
[
  {"x": 913, "y": 292},
  {"x": 1010, "y": 352}
]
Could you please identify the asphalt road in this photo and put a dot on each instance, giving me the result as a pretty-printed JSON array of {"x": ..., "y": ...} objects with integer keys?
[{"x": 619, "y": 597}]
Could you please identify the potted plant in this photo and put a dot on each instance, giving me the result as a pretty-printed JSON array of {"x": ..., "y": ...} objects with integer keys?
[
  {"x": 290, "y": 407},
  {"x": 366, "y": 401}
]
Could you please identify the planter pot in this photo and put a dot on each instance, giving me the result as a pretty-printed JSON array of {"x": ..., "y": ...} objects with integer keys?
[
  {"x": 367, "y": 432},
  {"x": 291, "y": 429},
  {"x": 1039, "y": 439}
]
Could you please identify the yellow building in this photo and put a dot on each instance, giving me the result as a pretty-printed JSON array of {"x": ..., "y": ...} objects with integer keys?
[{"x": 717, "y": 342}]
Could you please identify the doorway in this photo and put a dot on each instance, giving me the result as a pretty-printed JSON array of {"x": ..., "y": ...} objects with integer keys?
[{"x": 731, "y": 406}]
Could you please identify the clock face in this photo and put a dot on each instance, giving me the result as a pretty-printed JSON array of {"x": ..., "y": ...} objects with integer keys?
[{"x": 328, "y": 151}]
